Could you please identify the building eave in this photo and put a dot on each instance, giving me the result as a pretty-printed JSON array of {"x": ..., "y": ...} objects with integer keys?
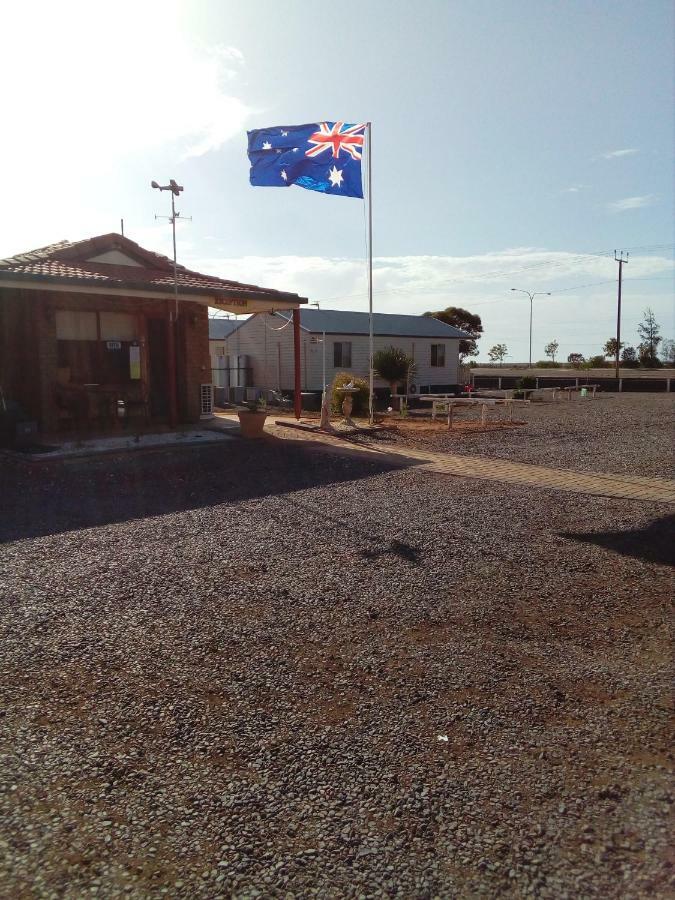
[{"x": 225, "y": 299}]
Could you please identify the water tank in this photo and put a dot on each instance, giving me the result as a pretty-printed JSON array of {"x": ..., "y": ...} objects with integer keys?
[{"x": 243, "y": 370}]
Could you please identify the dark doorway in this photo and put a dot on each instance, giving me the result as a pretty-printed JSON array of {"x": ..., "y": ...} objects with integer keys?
[{"x": 157, "y": 368}]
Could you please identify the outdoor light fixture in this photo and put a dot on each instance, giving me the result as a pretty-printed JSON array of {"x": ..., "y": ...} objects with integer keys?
[{"x": 532, "y": 296}]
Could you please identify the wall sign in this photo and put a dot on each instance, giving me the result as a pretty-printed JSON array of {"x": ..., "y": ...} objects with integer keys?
[
  {"x": 113, "y": 345},
  {"x": 134, "y": 362}
]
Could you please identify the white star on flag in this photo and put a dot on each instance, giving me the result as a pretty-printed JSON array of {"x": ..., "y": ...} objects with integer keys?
[
  {"x": 284, "y": 175},
  {"x": 335, "y": 177},
  {"x": 284, "y": 133},
  {"x": 267, "y": 146}
]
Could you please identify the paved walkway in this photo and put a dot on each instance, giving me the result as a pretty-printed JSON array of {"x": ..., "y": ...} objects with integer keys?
[{"x": 625, "y": 487}]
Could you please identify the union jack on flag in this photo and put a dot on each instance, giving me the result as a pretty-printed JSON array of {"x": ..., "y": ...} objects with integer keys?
[
  {"x": 349, "y": 138},
  {"x": 321, "y": 156}
]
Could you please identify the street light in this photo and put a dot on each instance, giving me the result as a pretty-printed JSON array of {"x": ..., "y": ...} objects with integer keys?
[{"x": 532, "y": 296}]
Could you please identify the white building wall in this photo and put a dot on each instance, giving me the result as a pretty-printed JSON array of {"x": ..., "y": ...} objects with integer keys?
[{"x": 269, "y": 348}]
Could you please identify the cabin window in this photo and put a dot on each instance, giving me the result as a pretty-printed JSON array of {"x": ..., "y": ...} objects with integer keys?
[
  {"x": 342, "y": 354},
  {"x": 438, "y": 355}
]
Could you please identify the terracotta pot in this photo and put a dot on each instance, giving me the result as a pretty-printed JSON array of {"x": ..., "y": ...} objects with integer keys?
[{"x": 251, "y": 423}]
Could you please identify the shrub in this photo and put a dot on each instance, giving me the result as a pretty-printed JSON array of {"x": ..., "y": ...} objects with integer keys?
[
  {"x": 547, "y": 364},
  {"x": 360, "y": 398},
  {"x": 527, "y": 382},
  {"x": 393, "y": 365},
  {"x": 596, "y": 362}
]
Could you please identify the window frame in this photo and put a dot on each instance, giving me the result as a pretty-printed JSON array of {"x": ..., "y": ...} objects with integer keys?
[
  {"x": 435, "y": 348},
  {"x": 343, "y": 350}
]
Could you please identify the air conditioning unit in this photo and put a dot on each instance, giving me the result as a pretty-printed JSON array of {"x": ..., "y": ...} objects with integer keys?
[
  {"x": 206, "y": 401},
  {"x": 412, "y": 389}
]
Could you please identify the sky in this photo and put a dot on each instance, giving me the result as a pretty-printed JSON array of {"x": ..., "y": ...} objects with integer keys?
[{"x": 516, "y": 143}]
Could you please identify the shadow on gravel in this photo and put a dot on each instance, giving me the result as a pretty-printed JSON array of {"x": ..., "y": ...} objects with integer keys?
[
  {"x": 373, "y": 534},
  {"x": 57, "y": 497},
  {"x": 654, "y": 543},
  {"x": 406, "y": 552}
]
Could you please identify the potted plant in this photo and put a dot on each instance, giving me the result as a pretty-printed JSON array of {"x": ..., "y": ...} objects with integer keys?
[{"x": 252, "y": 418}]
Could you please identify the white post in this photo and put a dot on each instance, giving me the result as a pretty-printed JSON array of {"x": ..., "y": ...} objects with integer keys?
[
  {"x": 369, "y": 131},
  {"x": 325, "y": 403},
  {"x": 323, "y": 341}
]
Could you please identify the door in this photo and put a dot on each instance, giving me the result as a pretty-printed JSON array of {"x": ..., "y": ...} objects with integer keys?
[{"x": 157, "y": 368}]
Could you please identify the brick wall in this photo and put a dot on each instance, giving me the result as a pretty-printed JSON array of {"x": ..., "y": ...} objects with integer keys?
[
  {"x": 28, "y": 347},
  {"x": 194, "y": 363}
]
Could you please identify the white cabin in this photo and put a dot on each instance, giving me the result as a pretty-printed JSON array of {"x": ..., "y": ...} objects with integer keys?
[{"x": 258, "y": 352}]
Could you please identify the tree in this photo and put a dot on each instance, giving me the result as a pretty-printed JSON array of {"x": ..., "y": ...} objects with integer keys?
[
  {"x": 610, "y": 348},
  {"x": 498, "y": 352},
  {"x": 464, "y": 320},
  {"x": 576, "y": 359},
  {"x": 629, "y": 357},
  {"x": 393, "y": 365},
  {"x": 648, "y": 329},
  {"x": 551, "y": 350},
  {"x": 668, "y": 351}
]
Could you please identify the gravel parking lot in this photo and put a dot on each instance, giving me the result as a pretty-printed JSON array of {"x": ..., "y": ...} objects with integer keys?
[
  {"x": 266, "y": 670},
  {"x": 622, "y": 433}
]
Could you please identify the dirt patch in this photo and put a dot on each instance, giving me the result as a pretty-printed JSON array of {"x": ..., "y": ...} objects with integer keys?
[{"x": 440, "y": 426}]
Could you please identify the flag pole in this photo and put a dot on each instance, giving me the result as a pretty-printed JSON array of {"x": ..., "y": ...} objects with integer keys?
[{"x": 369, "y": 131}]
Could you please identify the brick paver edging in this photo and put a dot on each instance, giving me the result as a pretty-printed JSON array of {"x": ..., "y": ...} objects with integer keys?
[{"x": 604, "y": 484}]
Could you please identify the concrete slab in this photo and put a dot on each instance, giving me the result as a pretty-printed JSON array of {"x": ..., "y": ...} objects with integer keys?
[{"x": 122, "y": 444}]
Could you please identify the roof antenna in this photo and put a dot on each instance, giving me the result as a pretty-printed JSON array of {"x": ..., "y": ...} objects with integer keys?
[{"x": 122, "y": 226}]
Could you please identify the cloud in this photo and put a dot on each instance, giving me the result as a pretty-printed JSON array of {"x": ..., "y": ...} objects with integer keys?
[
  {"x": 632, "y": 203},
  {"x": 418, "y": 283},
  {"x": 83, "y": 100},
  {"x": 613, "y": 154},
  {"x": 580, "y": 313},
  {"x": 574, "y": 189}
]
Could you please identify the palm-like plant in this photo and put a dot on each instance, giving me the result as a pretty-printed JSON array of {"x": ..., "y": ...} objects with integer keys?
[{"x": 393, "y": 365}]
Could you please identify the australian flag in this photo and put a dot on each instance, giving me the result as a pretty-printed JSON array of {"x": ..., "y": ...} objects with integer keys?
[{"x": 322, "y": 156}]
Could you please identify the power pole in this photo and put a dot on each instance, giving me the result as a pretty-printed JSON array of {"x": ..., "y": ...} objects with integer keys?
[{"x": 621, "y": 261}]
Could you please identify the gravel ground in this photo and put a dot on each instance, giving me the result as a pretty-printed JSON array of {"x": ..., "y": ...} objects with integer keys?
[
  {"x": 620, "y": 433},
  {"x": 264, "y": 670}
]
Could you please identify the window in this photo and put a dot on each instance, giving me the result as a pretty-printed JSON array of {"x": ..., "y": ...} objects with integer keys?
[
  {"x": 438, "y": 355},
  {"x": 342, "y": 354},
  {"x": 96, "y": 347}
]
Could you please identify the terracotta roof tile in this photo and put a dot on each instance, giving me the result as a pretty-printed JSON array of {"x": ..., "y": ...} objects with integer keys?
[{"x": 69, "y": 261}]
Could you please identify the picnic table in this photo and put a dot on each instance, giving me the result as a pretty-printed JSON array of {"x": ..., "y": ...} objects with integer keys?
[
  {"x": 447, "y": 404},
  {"x": 574, "y": 389}
]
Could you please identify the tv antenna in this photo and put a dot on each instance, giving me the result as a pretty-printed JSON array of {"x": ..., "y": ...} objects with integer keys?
[{"x": 175, "y": 190}]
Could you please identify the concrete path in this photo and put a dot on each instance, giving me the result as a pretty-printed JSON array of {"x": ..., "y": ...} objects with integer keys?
[
  {"x": 602, "y": 484},
  {"x": 626, "y": 487}
]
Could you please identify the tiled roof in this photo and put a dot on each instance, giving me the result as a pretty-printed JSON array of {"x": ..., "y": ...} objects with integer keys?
[
  {"x": 340, "y": 321},
  {"x": 69, "y": 261}
]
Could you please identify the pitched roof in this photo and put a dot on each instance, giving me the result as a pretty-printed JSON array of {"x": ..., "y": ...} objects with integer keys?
[
  {"x": 71, "y": 262},
  {"x": 219, "y": 329},
  {"x": 340, "y": 321}
]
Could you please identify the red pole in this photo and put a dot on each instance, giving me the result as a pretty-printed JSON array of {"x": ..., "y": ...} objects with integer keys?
[
  {"x": 296, "y": 349},
  {"x": 171, "y": 364}
]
